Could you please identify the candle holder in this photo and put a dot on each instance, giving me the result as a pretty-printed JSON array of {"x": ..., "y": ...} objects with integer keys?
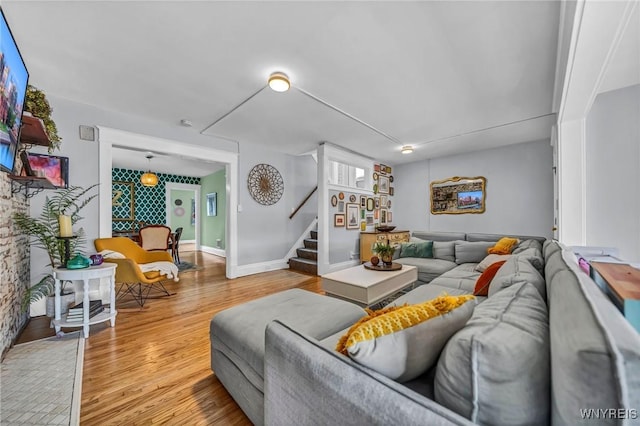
[{"x": 67, "y": 248}]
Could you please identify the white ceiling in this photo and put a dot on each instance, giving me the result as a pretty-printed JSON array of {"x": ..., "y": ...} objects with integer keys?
[{"x": 444, "y": 76}]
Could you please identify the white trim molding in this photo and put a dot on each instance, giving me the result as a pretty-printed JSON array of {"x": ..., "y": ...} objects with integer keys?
[{"x": 213, "y": 250}]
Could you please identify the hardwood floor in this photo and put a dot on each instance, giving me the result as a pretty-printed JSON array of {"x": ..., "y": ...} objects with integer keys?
[{"x": 154, "y": 365}]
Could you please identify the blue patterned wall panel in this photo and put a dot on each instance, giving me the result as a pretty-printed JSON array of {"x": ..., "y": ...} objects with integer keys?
[{"x": 149, "y": 202}]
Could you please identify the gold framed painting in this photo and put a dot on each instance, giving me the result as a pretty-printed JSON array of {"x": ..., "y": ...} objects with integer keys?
[
  {"x": 458, "y": 195},
  {"x": 122, "y": 200}
]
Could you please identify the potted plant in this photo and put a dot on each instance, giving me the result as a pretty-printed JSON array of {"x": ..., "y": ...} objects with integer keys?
[
  {"x": 37, "y": 105},
  {"x": 385, "y": 251},
  {"x": 44, "y": 231}
]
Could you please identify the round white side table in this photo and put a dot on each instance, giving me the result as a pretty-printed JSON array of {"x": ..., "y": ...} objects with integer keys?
[{"x": 106, "y": 270}]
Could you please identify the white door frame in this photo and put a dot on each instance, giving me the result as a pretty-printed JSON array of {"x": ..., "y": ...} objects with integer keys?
[
  {"x": 184, "y": 187},
  {"x": 108, "y": 137}
]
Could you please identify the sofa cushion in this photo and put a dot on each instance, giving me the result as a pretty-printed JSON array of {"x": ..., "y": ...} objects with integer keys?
[
  {"x": 491, "y": 258},
  {"x": 444, "y": 250},
  {"x": 516, "y": 270},
  {"x": 402, "y": 342},
  {"x": 439, "y": 236},
  {"x": 471, "y": 252},
  {"x": 481, "y": 373},
  {"x": 483, "y": 282},
  {"x": 534, "y": 256},
  {"x": 495, "y": 237},
  {"x": 428, "y": 269},
  {"x": 525, "y": 244},
  {"x": 595, "y": 352},
  {"x": 422, "y": 249},
  {"x": 238, "y": 332},
  {"x": 427, "y": 292},
  {"x": 504, "y": 245},
  {"x": 462, "y": 276}
]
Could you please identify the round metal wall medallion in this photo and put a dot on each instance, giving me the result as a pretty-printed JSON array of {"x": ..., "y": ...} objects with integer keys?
[{"x": 265, "y": 184}]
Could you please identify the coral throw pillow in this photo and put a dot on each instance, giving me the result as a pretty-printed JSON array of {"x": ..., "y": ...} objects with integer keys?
[
  {"x": 482, "y": 285},
  {"x": 403, "y": 342},
  {"x": 504, "y": 246}
]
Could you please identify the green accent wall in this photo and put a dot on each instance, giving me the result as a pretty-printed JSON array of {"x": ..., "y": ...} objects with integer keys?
[
  {"x": 184, "y": 220},
  {"x": 213, "y": 227}
]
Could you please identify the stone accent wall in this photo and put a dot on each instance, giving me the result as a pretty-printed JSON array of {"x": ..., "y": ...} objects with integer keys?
[{"x": 14, "y": 265}]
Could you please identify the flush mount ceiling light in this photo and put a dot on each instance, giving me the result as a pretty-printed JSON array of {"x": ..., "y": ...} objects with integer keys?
[
  {"x": 149, "y": 179},
  {"x": 279, "y": 82},
  {"x": 407, "y": 149}
]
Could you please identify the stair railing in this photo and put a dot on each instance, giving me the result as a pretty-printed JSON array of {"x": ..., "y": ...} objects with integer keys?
[{"x": 303, "y": 202}]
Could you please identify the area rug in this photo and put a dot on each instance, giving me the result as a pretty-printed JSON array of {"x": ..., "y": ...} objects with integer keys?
[
  {"x": 187, "y": 267},
  {"x": 42, "y": 382}
]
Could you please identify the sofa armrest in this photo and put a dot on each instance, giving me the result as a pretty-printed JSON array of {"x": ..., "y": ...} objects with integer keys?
[{"x": 306, "y": 384}]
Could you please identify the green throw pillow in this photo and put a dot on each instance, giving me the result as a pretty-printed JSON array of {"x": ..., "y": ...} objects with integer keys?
[{"x": 424, "y": 249}]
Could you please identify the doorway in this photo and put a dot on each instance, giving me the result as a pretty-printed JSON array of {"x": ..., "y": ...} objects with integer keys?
[
  {"x": 108, "y": 137},
  {"x": 183, "y": 210}
]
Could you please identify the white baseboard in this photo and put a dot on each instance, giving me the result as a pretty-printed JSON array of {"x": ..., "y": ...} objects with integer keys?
[
  {"x": 213, "y": 250},
  {"x": 188, "y": 241},
  {"x": 256, "y": 268}
]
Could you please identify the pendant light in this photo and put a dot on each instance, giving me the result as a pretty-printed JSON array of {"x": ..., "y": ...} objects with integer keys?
[{"x": 149, "y": 179}]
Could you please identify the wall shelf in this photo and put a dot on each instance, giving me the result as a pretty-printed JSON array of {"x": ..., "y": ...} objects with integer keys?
[
  {"x": 33, "y": 131},
  {"x": 37, "y": 184}
]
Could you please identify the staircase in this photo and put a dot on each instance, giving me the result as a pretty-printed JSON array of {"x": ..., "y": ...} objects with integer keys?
[{"x": 307, "y": 259}]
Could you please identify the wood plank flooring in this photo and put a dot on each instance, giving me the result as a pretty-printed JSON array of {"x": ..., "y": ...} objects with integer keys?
[{"x": 154, "y": 365}]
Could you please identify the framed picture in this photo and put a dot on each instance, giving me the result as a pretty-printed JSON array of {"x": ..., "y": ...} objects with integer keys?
[
  {"x": 391, "y": 190},
  {"x": 376, "y": 167},
  {"x": 338, "y": 220},
  {"x": 122, "y": 200},
  {"x": 340, "y": 206},
  {"x": 212, "y": 204},
  {"x": 352, "y": 198},
  {"x": 383, "y": 217},
  {"x": 370, "y": 204},
  {"x": 362, "y": 213},
  {"x": 334, "y": 200},
  {"x": 383, "y": 169},
  {"x": 383, "y": 201},
  {"x": 389, "y": 217},
  {"x": 369, "y": 220},
  {"x": 363, "y": 202},
  {"x": 353, "y": 215},
  {"x": 363, "y": 226},
  {"x": 458, "y": 195},
  {"x": 376, "y": 214},
  {"x": 383, "y": 184},
  {"x": 377, "y": 202}
]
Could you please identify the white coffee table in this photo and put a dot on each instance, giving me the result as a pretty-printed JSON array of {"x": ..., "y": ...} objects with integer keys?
[{"x": 365, "y": 286}]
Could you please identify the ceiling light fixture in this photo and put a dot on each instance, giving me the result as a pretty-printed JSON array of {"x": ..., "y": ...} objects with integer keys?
[
  {"x": 279, "y": 82},
  {"x": 149, "y": 179},
  {"x": 407, "y": 149}
]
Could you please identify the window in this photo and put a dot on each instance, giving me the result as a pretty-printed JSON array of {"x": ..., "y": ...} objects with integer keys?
[{"x": 346, "y": 175}]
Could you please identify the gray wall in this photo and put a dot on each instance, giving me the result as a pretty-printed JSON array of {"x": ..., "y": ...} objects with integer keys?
[
  {"x": 519, "y": 192},
  {"x": 613, "y": 172},
  {"x": 266, "y": 232}
]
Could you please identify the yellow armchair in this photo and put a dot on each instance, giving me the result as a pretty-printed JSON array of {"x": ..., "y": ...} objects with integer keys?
[{"x": 128, "y": 273}]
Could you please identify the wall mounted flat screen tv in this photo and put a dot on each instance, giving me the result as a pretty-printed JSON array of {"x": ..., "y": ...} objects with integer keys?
[
  {"x": 13, "y": 86},
  {"x": 53, "y": 167}
]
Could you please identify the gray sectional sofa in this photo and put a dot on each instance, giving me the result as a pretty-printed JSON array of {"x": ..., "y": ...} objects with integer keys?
[{"x": 546, "y": 347}]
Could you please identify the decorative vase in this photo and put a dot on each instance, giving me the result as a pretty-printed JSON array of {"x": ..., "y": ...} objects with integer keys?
[
  {"x": 387, "y": 259},
  {"x": 375, "y": 260}
]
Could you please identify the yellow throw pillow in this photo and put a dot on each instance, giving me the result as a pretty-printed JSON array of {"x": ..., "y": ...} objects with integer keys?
[
  {"x": 504, "y": 246},
  {"x": 402, "y": 342}
]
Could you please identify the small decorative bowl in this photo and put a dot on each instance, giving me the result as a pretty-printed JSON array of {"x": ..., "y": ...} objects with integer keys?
[{"x": 385, "y": 228}]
